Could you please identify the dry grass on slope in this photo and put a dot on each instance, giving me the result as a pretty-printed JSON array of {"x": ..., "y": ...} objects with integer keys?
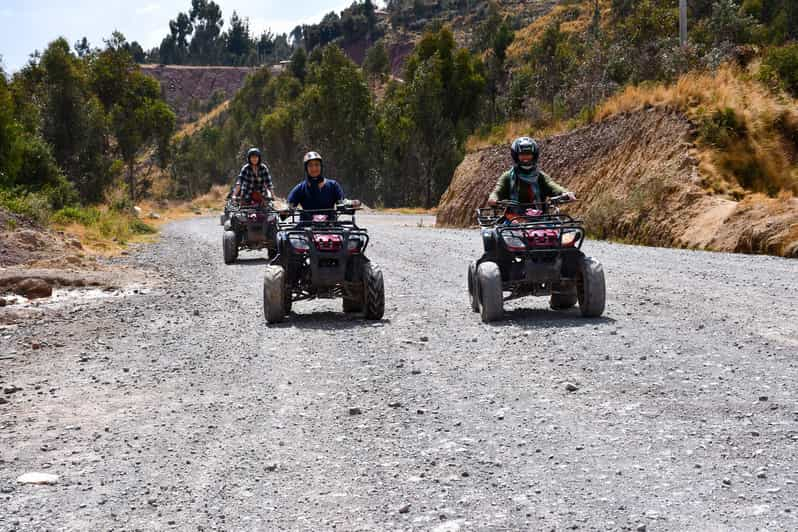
[
  {"x": 747, "y": 137},
  {"x": 574, "y": 18}
]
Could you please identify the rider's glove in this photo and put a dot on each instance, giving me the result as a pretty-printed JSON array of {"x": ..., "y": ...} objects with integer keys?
[{"x": 571, "y": 196}]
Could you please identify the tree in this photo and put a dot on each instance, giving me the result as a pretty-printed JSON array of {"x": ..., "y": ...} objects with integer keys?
[
  {"x": 329, "y": 28},
  {"x": 335, "y": 113},
  {"x": 10, "y": 132},
  {"x": 73, "y": 122},
  {"x": 265, "y": 47},
  {"x": 554, "y": 59},
  {"x": 82, "y": 47},
  {"x": 174, "y": 47},
  {"x": 206, "y": 17},
  {"x": 299, "y": 64},
  {"x": 727, "y": 24},
  {"x": 495, "y": 36},
  {"x": 238, "y": 40},
  {"x": 377, "y": 63},
  {"x": 142, "y": 121},
  {"x": 139, "y": 117},
  {"x": 424, "y": 122},
  {"x": 137, "y": 52}
]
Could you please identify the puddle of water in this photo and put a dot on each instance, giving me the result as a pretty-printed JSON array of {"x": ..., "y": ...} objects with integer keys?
[{"x": 63, "y": 297}]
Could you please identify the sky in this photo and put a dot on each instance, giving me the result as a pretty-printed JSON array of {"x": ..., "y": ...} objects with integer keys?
[{"x": 28, "y": 25}]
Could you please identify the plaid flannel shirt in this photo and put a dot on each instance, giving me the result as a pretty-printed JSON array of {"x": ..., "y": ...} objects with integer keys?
[{"x": 250, "y": 182}]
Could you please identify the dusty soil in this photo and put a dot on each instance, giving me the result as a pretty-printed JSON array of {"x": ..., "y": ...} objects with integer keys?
[
  {"x": 637, "y": 179},
  {"x": 179, "y": 409},
  {"x": 26, "y": 244}
]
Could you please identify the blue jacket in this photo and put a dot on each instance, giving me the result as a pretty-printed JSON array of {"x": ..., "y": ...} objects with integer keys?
[{"x": 312, "y": 198}]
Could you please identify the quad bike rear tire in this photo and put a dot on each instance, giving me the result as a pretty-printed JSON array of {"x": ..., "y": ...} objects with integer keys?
[
  {"x": 374, "y": 293},
  {"x": 472, "y": 287},
  {"x": 274, "y": 294},
  {"x": 564, "y": 300},
  {"x": 229, "y": 247},
  {"x": 491, "y": 299},
  {"x": 352, "y": 305},
  {"x": 590, "y": 287}
]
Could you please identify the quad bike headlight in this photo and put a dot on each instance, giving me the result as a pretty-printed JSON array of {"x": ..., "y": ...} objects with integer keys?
[
  {"x": 513, "y": 241},
  {"x": 299, "y": 244},
  {"x": 570, "y": 238}
]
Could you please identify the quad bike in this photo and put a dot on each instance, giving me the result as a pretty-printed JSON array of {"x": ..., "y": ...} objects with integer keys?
[
  {"x": 248, "y": 226},
  {"x": 321, "y": 255},
  {"x": 533, "y": 250}
]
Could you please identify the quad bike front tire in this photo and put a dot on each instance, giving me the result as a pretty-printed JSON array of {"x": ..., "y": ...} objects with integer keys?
[
  {"x": 229, "y": 247},
  {"x": 590, "y": 287},
  {"x": 473, "y": 297},
  {"x": 374, "y": 293},
  {"x": 491, "y": 299},
  {"x": 274, "y": 294},
  {"x": 564, "y": 300}
]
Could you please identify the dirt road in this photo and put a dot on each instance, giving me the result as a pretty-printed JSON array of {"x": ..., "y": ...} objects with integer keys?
[{"x": 178, "y": 408}]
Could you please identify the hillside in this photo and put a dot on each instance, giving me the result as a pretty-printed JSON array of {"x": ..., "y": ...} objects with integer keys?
[
  {"x": 637, "y": 177},
  {"x": 193, "y": 90}
]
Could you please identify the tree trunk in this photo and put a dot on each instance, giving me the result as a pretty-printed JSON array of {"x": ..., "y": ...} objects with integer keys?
[{"x": 131, "y": 183}]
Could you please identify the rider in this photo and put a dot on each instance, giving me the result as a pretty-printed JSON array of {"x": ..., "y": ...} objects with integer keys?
[
  {"x": 315, "y": 192},
  {"x": 254, "y": 183},
  {"x": 524, "y": 183}
]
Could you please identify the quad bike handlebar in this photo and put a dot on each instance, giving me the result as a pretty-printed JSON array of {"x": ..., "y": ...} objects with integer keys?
[
  {"x": 562, "y": 199},
  {"x": 501, "y": 210}
]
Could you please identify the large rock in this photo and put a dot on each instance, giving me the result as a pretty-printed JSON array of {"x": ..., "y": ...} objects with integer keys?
[
  {"x": 33, "y": 288},
  {"x": 38, "y": 478}
]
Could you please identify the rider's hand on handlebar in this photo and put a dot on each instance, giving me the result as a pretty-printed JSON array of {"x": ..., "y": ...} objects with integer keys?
[{"x": 570, "y": 196}]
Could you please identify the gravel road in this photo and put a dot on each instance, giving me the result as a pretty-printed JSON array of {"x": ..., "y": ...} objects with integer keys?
[{"x": 179, "y": 409}]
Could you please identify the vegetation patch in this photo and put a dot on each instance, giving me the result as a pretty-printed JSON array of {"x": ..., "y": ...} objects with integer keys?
[{"x": 746, "y": 134}]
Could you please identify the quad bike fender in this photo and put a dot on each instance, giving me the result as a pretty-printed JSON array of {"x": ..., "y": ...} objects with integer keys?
[{"x": 489, "y": 240}]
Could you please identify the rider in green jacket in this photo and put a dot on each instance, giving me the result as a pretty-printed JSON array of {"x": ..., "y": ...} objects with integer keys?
[{"x": 524, "y": 183}]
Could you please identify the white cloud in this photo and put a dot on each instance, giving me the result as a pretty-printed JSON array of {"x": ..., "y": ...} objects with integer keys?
[
  {"x": 6, "y": 12},
  {"x": 149, "y": 8}
]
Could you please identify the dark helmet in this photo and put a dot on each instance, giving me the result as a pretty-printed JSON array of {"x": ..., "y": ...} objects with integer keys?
[
  {"x": 254, "y": 151},
  {"x": 525, "y": 145}
]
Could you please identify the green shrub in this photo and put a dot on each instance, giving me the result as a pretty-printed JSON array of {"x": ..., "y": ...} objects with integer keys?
[
  {"x": 721, "y": 128},
  {"x": 780, "y": 68},
  {"x": 34, "y": 206},
  {"x": 81, "y": 215},
  {"x": 140, "y": 228}
]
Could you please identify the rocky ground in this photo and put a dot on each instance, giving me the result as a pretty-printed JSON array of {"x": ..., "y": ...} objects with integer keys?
[{"x": 178, "y": 408}]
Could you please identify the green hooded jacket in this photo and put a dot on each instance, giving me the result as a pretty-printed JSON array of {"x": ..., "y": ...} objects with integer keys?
[{"x": 503, "y": 190}]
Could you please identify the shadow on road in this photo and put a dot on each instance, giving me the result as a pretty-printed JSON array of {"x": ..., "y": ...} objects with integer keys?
[
  {"x": 253, "y": 262},
  {"x": 538, "y": 317},
  {"x": 327, "y": 320}
]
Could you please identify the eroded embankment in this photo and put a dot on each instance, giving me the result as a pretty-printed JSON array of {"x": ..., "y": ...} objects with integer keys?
[{"x": 637, "y": 177}]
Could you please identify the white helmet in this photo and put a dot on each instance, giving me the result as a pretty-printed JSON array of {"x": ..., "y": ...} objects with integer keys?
[{"x": 312, "y": 156}]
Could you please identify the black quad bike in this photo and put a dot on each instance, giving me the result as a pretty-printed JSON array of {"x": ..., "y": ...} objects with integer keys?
[
  {"x": 533, "y": 250},
  {"x": 248, "y": 226},
  {"x": 321, "y": 255}
]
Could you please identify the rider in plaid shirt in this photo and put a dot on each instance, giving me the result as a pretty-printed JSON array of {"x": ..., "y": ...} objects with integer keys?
[{"x": 254, "y": 177}]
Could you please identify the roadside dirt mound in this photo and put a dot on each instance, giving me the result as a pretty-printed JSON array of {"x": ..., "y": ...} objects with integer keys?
[
  {"x": 187, "y": 89},
  {"x": 22, "y": 242},
  {"x": 637, "y": 178}
]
